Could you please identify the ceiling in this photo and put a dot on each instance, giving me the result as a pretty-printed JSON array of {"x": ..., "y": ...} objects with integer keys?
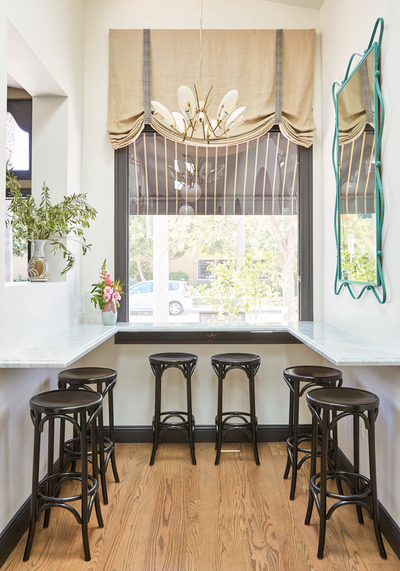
[{"x": 316, "y": 4}]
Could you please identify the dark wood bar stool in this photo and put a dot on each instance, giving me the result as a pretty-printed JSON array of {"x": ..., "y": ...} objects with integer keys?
[
  {"x": 249, "y": 364},
  {"x": 328, "y": 406},
  {"x": 46, "y": 407},
  {"x": 104, "y": 381},
  {"x": 185, "y": 362},
  {"x": 313, "y": 376}
]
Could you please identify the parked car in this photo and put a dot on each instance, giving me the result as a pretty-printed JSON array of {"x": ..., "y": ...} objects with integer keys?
[{"x": 141, "y": 297}]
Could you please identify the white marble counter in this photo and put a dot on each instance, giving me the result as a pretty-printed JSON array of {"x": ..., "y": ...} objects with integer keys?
[
  {"x": 65, "y": 347},
  {"x": 60, "y": 349}
]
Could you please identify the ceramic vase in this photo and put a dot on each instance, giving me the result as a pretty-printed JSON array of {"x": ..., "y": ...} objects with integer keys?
[
  {"x": 109, "y": 313},
  {"x": 38, "y": 268}
]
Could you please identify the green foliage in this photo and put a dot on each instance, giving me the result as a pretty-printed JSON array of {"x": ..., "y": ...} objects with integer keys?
[
  {"x": 179, "y": 276},
  {"x": 47, "y": 221},
  {"x": 240, "y": 285},
  {"x": 357, "y": 258}
]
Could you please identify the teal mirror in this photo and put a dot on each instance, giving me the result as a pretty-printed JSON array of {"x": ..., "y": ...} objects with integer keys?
[{"x": 359, "y": 205}]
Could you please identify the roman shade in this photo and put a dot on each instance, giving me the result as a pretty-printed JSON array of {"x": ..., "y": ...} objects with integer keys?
[
  {"x": 357, "y": 174},
  {"x": 255, "y": 177},
  {"x": 273, "y": 71}
]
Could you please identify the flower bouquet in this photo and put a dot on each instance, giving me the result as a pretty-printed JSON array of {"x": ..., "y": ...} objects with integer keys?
[{"x": 107, "y": 294}]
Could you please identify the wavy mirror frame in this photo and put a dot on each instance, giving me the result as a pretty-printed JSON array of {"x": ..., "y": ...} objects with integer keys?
[{"x": 379, "y": 116}]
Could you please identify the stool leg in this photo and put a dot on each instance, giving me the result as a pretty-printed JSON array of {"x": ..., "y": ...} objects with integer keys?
[
  {"x": 372, "y": 473},
  {"x": 112, "y": 437},
  {"x": 356, "y": 447},
  {"x": 253, "y": 413},
  {"x": 101, "y": 457},
  {"x": 313, "y": 468},
  {"x": 157, "y": 373},
  {"x": 322, "y": 499},
  {"x": 219, "y": 414},
  {"x": 288, "y": 460},
  {"x": 75, "y": 444},
  {"x": 189, "y": 409},
  {"x": 336, "y": 454},
  {"x": 296, "y": 398},
  {"x": 84, "y": 471},
  {"x": 96, "y": 475},
  {"x": 35, "y": 481},
  {"x": 50, "y": 469}
]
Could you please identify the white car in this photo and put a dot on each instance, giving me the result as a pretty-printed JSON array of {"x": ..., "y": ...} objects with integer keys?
[{"x": 141, "y": 297}]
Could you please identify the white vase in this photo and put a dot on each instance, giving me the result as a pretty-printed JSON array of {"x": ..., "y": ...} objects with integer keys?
[
  {"x": 109, "y": 313},
  {"x": 38, "y": 268}
]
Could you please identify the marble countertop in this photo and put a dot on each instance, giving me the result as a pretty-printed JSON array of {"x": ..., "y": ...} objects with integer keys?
[{"x": 64, "y": 348}]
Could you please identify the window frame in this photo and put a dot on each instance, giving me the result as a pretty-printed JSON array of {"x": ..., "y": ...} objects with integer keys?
[
  {"x": 305, "y": 250},
  {"x": 27, "y": 174}
]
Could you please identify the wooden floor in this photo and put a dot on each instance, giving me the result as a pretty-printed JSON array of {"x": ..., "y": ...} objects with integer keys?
[{"x": 178, "y": 517}]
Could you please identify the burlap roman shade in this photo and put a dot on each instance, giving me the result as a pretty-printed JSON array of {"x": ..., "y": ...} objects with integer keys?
[{"x": 272, "y": 70}]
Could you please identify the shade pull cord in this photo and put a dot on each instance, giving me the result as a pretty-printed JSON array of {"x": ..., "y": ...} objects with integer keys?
[
  {"x": 147, "y": 76},
  {"x": 278, "y": 76}
]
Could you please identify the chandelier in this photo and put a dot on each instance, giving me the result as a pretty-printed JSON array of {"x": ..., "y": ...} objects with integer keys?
[
  {"x": 194, "y": 110},
  {"x": 191, "y": 178}
]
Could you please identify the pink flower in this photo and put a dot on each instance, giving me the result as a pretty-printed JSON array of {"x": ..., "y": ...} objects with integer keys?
[
  {"x": 108, "y": 291},
  {"x": 116, "y": 296},
  {"x": 106, "y": 296},
  {"x": 108, "y": 279}
]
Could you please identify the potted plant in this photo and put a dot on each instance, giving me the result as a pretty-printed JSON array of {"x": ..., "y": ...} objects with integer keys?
[
  {"x": 107, "y": 295},
  {"x": 47, "y": 221}
]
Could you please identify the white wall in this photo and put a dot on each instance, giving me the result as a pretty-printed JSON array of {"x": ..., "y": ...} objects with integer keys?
[
  {"x": 52, "y": 33},
  {"x": 346, "y": 28}
]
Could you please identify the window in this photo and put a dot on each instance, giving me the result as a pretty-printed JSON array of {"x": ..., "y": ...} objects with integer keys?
[
  {"x": 249, "y": 206},
  {"x": 19, "y": 159}
]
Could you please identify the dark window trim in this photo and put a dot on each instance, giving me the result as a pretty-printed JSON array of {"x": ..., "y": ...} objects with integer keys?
[{"x": 305, "y": 252}]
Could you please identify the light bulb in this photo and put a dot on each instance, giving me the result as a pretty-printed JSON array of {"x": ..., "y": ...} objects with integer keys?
[
  {"x": 235, "y": 119},
  {"x": 187, "y": 102},
  {"x": 227, "y": 105},
  {"x": 162, "y": 114},
  {"x": 186, "y": 209}
]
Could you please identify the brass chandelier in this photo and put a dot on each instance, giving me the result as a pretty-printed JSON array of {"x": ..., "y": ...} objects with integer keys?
[{"x": 194, "y": 110}]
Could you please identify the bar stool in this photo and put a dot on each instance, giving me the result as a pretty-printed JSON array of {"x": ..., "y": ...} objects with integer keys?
[
  {"x": 249, "y": 364},
  {"x": 185, "y": 362},
  {"x": 312, "y": 376},
  {"x": 105, "y": 380},
  {"x": 328, "y": 406},
  {"x": 46, "y": 407}
]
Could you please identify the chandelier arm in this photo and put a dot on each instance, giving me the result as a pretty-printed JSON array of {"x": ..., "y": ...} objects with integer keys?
[{"x": 207, "y": 96}]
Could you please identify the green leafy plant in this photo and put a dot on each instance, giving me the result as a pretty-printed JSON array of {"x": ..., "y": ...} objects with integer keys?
[
  {"x": 106, "y": 290},
  {"x": 48, "y": 221}
]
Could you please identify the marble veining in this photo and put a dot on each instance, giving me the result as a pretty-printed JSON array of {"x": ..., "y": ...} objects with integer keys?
[{"x": 62, "y": 349}]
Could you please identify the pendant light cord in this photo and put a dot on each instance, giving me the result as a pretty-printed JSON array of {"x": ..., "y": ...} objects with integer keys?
[{"x": 201, "y": 50}]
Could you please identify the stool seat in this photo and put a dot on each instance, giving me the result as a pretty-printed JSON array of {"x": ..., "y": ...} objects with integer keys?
[
  {"x": 300, "y": 379},
  {"x": 328, "y": 407},
  {"x": 225, "y": 421},
  {"x": 87, "y": 375},
  {"x": 235, "y": 359},
  {"x": 105, "y": 380},
  {"x": 312, "y": 373},
  {"x": 173, "y": 358},
  {"x": 163, "y": 420},
  {"x": 344, "y": 399},
  {"x": 81, "y": 409},
  {"x": 65, "y": 402}
]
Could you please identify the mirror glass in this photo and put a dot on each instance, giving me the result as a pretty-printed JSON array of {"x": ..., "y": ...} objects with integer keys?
[{"x": 356, "y": 175}]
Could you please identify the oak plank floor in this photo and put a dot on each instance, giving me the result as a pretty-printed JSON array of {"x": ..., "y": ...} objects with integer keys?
[{"x": 178, "y": 517}]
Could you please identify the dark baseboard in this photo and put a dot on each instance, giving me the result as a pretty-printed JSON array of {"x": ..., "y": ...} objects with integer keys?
[
  {"x": 390, "y": 529},
  {"x": 16, "y": 528},
  {"x": 203, "y": 433}
]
